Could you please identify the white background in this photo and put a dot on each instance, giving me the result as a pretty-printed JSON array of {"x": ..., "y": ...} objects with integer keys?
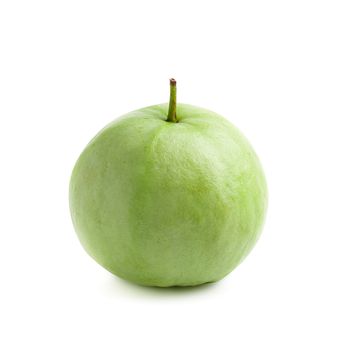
[{"x": 279, "y": 70}]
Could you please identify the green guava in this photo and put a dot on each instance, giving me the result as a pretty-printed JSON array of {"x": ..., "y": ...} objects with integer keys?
[{"x": 168, "y": 195}]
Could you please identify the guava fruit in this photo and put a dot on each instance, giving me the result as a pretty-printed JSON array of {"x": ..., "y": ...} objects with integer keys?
[{"x": 168, "y": 195}]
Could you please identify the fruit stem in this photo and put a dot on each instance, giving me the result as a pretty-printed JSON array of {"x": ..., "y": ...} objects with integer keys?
[{"x": 172, "y": 102}]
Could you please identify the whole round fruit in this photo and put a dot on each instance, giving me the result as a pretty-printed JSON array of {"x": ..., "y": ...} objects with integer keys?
[{"x": 168, "y": 195}]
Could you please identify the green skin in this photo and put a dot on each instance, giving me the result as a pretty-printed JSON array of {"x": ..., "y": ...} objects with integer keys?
[{"x": 164, "y": 203}]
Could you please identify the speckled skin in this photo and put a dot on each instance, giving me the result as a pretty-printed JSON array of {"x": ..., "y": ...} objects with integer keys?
[{"x": 168, "y": 204}]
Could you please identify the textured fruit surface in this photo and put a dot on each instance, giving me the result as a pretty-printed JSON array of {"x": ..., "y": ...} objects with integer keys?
[{"x": 168, "y": 204}]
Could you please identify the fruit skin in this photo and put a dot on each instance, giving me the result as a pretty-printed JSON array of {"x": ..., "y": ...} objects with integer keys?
[{"x": 168, "y": 204}]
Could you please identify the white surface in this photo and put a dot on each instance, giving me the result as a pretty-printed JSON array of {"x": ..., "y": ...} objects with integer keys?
[{"x": 279, "y": 70}]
